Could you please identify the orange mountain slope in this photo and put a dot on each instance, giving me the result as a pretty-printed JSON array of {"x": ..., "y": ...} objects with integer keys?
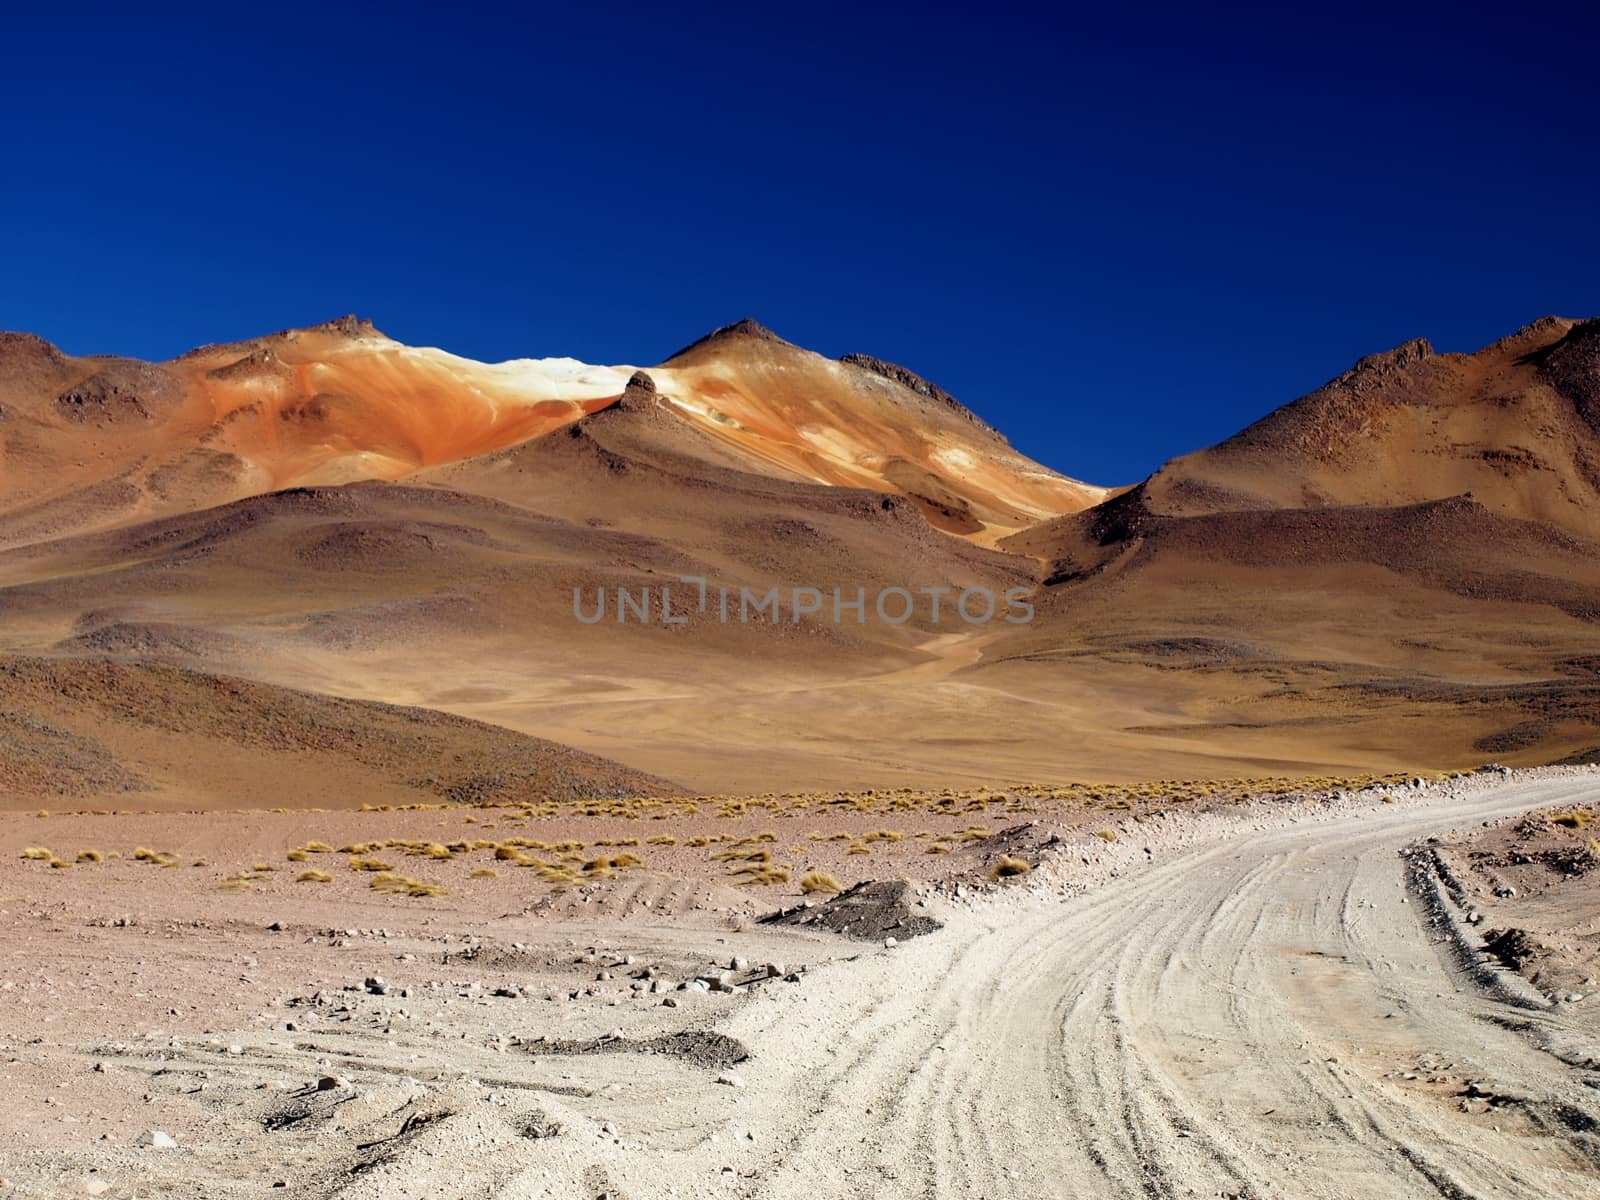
[{"x": 88, "y": 442}]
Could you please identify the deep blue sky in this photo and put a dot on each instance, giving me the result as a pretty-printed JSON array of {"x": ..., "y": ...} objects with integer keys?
[{"x": 1116, "y": 238}]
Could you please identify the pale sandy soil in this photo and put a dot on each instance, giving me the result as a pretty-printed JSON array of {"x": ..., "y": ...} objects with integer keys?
[{"x": 1262, "y": 1001}]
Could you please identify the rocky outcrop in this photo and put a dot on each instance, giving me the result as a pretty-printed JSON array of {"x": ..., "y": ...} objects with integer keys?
[
  {"x": 1572, "y": 366},
  {"x": 121, "y": 392},
  {"x": 639, "y": 395},
  {"x": 349, "y": 325}
]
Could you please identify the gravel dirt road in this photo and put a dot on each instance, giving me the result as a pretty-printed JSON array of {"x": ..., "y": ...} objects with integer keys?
[{"x": 1266, "y": 1014}]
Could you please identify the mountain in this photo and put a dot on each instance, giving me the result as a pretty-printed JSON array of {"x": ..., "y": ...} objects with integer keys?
[
  {"x": 1396, "y": 571},
  {"x": 1405, "y": 561},
  {"x": 91, "y": 442},
  {"x": 1514, "y": 426}
]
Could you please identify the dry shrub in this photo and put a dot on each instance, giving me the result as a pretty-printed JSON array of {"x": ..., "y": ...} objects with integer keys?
[
  {"x": 369, "y": 864},
  {"x": 91, "y": 856},
  {"x": 761, "y": 875},
  {"x": 483, "y": 873},
  {"x": 297, "y": 856},
  {"x": 813, "y": 882},
  {"x": 399, "y": 885},
  {"x": 313, "y": 877},
  {"x": 1106, "y": 835},
  {"x": 743, "y": 854},
  {"x": 1008, "y": 866},
  {"x": 607, "y": 863},
  {"x": 1576, "y": 819},
  {"x": 37, "y": 854}
]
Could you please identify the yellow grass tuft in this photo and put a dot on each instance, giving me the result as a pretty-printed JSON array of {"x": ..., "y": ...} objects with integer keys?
[
  {"x": 1008, "y": 866},
  {"x": 313, "y": 877},
  {"x": 761, "y": 875},
  {"x": 37, "y": 854},
  {"x": 1576, "y": 819},
  {"x": 369, "y": 864},
  {"x": 484, "y": 873},
  {"x": 91, "y": 856},
  {"x": 59, "y": 865},
  {"x": 399, "y": 885},
  {"x": 297, "y": 856},
  {"x": 743, "y": 854},
  {"x": 813, "y": 882},
  {"x": 1107, "y": 835},
  {"x": 606, "y": 863}
]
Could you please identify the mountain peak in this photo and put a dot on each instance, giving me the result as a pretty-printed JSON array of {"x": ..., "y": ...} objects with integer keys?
[
  {"x": 348, "y": 325},
  {"x": 29, "y": 346},
  {"x": 746, "y": 328}
]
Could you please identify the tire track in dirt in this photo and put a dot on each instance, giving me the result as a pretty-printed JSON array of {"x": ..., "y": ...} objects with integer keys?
[{"x": 1226, "y": 1022}]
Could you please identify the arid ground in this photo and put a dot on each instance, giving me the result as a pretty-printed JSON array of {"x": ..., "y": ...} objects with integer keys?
[{"x": 1293, "y": 994}]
